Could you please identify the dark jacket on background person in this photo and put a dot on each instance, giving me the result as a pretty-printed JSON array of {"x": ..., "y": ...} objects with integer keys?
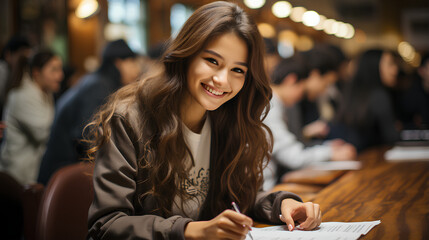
[
  {"x": 121, "y": 210},
  {"x": 378, "y": 127},
  {"x": 413, "y": 104},
  {"x": 73, "y": 111}
]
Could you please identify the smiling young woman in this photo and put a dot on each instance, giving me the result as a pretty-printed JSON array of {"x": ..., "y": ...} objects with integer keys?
[{"x": 174, "y": 150}]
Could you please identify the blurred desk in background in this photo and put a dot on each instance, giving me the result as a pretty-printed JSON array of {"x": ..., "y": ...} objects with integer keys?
[{"x": 397, "y": 193}]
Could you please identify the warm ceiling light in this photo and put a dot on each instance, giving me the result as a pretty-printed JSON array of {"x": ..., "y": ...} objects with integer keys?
[
  {"x": 416, "y": 61},
  {"x": 319, "y": 26},
  {"x": 310, "y": 18},
  {"x": 350, "y": 31},
  {"x": 266, "y": 30},
  {"x": 281, "y": 9},
  {"x": 86, "y": 8},
  {"x": 406, "y": 51},
  {"x": 330, "y": 26},
  {"x": 254, "y": 4},
  {"x": 297, "y": 13},
  {"x": 342, "y": 30}
]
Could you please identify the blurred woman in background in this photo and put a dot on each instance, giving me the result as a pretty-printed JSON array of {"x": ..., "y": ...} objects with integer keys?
[
  {"x": 367, "y": 117},
  {"x": 28, "y": 114}
]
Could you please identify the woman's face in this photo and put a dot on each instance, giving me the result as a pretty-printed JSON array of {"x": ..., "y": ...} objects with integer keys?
[
  {"x": 388, "y": 69},
  {"x": 51, "y": 75},
  {"x": 217, "y": 73}
]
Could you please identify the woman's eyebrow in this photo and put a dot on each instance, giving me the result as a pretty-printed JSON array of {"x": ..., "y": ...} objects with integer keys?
[{"x": 219, "y": 56}]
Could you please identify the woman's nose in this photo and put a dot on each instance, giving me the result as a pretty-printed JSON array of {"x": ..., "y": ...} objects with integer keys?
[{"x": 220, "y": 78}]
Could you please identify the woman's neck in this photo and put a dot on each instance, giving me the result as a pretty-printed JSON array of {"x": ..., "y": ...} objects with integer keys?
[
  {"x": 192, "y": 114},
  {"x": 39, "y": 85}
]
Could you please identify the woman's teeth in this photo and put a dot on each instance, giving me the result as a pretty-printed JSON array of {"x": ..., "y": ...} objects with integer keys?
[{"x": 217, "y": 93}]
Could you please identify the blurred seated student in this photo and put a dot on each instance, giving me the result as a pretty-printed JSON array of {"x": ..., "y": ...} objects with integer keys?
[
  {"x": 29, "y": 113},
  {"x": 271, "y": 56},
  {"x": 288, "y": 83},
  {"x": 366, "y": 117},
  {"x": 16, "y": 49},
  {"x": 329, "y": 101},
  {"x": 414, "y": 102},
  {"x": 76, "y": 106},
  {"x": 176, "y": 149},
  {"x": 304, "y": 117}
]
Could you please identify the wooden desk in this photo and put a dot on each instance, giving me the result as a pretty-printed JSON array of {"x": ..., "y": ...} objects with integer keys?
[{"x": 395, "y": 193}]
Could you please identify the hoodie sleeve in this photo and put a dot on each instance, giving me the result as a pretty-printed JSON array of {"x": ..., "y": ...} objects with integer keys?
[{"x": 112, "y": 214}]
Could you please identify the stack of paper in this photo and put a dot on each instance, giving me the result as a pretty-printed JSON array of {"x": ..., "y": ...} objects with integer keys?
[{"x": 326, "y": 231}]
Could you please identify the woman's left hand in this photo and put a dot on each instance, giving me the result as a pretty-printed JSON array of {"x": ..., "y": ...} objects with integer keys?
[{"x": 307, "y": 215}]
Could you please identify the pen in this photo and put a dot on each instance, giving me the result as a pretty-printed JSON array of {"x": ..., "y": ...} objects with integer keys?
[{"x": 235, "y": 206}]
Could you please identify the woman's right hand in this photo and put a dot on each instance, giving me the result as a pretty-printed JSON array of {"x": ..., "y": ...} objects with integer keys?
[{"x": 227, "y": 225}]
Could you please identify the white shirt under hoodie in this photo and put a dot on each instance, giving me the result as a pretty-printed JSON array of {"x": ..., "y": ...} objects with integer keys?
[
  {"x": 198, "y": 184},
  {"x": 287, "y": 150}
]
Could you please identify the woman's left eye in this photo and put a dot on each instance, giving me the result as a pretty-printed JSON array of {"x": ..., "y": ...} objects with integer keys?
[
  {"x": 211, "y": 60},
  {"x": 238, "y": 70}
]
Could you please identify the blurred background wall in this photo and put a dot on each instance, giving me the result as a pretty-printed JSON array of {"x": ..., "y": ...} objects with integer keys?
[{"x": 78, "y": 29}]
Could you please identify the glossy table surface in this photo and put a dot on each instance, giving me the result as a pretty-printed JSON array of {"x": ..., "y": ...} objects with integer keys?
[{"x": 395, "y": 193}]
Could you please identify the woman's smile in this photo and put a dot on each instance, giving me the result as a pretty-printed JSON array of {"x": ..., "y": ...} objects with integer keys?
[{"x": 213, "y": 91}]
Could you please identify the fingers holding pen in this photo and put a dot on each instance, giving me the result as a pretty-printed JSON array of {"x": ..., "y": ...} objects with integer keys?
[
  {"x": 234, "y": 223},
  {"x": 226, "y": 225},
  {"x": 237, "y": 218}
]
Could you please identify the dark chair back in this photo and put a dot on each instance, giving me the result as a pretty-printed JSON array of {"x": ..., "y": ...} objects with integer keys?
[
  {"x": 64, "y": 207},
  {"x": 12, "y": 220},
  {"x": 32, "y": 196}
]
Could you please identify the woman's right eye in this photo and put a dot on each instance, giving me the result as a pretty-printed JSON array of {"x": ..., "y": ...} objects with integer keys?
[{"x": 211, "y": 60}]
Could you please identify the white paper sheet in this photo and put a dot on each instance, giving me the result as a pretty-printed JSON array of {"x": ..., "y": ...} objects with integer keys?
[
  {"x": 399, "y": 153},
  {"x": 336, "y": 165},
  {"x": 326, "y": 231}
]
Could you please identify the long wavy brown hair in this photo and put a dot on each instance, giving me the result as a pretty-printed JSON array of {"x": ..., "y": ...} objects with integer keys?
[{"x": 240, "y": 141}]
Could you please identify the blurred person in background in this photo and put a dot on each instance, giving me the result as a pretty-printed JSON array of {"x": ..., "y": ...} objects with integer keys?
[
  {"x": 288, "y": 82},
  {"x": 29, "y": 112},
  {"x": 304, "y": 117},
  {"x": 15, "y": 53},
  {"x": 16, "y": 48},
  {"x": 329, "y": 101},
  {"x": 367, "y": 116},
  {"x": 414, "y": 101},
  {"x": 271, "y": 56},
  {"x": 76, "y": 106}
]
